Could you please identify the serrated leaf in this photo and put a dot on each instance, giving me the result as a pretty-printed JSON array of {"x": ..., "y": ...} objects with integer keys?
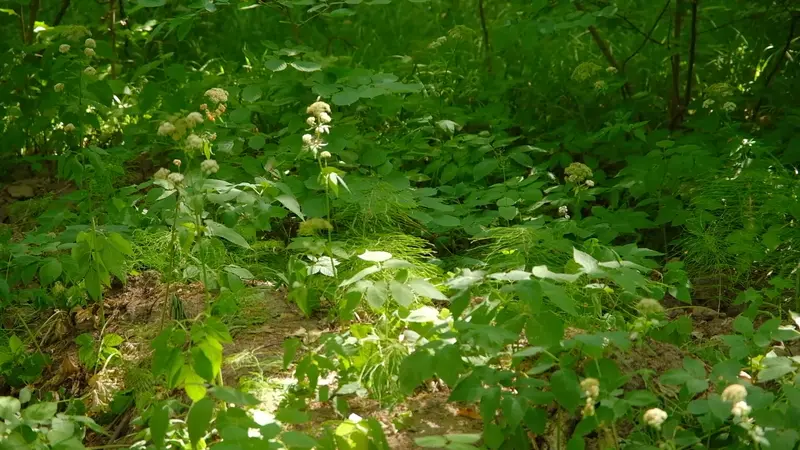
[
  {"x": 50, "y": 271},
  {"x": 401, "y": 294},
  {"x": 306, "y": 66},
  {"x": 276, "y": 65}
]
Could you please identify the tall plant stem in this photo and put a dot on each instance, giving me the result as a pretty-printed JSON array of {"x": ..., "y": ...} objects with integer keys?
[{"x": 173, "y": 237}]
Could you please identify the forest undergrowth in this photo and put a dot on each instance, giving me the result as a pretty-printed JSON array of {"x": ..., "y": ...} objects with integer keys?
[{"x": 371, "y": 225}]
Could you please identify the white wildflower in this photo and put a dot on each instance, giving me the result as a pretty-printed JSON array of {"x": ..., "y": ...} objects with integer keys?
[
  {"x": 88, "y": 52},
  {"x": 161, "y": 174},
  {"x": 209, "y": 166},
  {"x": 63, "y": 48},
  {"x": 58, "y": 87},
  {"x": 599, "y": 85},
  {"x": 589, "y": 183},
  {"x": 311, "y": 121},
  {"x": 90, "y": 71},
  {"x": 757, "y": 435},
  {"x": 741, "y": 409},
  {"x": 69, "y": 128},
  {"x": 563, "y": 211},
  {"x": 194, "y": 141},
  {"x": 217, "y": 95},
  {"x": 591, "y": 387},
  {"x": 729, "y": 106},
  {"x": 177, "y": 162},
  {"x": 308, "y": 139},
  {"x": 90, "y": 43},
  {"x": 655, "y": 417},
  {"x": 708, "y": 103},
  {"x": 611, "y": 69},
  {"x": 175, "y": 178},
  {"x": 166, "y": 129},
  {"x": 734, "y": 393},
  {"x": 194, "y": 118},
  {"x": 324, "y": 117},
  {"x": 325, "y": 155},
  {"x": 318, "y": 108},
  {"x": 323, "y": 129}
]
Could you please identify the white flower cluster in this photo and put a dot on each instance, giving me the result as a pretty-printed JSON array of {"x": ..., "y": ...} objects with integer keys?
[
  {"x": 729, "y": 107},
  {"x": 90, "y": 71},
  {"x": 194, "y": 142},
  {"x": 175, "y": 178},
  {"x": 655, "y": 417},
  {"x": 319, "y": 121},
  {"x": 209, "y": 166},
  {"x": 59, "y": 87},
  {"x": 563, "y": 211},
  {"x": 69, "y": 128},
  {"x": 177, "y": 128},
  {"x": 217, "y": 95},
  {"x": 63, "y": 48},
  {"x": 737, "y": 395},
  {"x": 90, "y": 43},
  {"x": 591, "y": 389}
]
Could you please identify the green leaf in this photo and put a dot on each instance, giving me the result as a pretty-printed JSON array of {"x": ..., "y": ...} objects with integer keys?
[
  {"x": 193, "y": 384},
  {"x": 641, "y": 398},
  {"x": 425, "y": 289},
  {"x": 290, "y": 347},
  {"x": 151, "y": 3},
  {"x": 120, "y": 243},
  {"x": 251, "y": 93},
  {"x": 431, "y": 441},
  {"x": 401, "y": 294},
  {"x": 306, "y": 66},
  {"x": 291, "y": 204},
  {"x": 446, "y": 220},
  {"x": 507, "y": 212},
  {"x": 345, "y": 97},
  {"x": 775, "y": 368},
  {"x": 40, "y": 412},
  {"x": 237, "y": 397},
  {"x": 292, "y": 416},
  {"x": 375, "y": 256},
  {"x": 199, "y": 419},
  {"x": 484, "y": 168},
  {"x": 377, "y": 294},
  {"x": 159, "y": 423},
  {"x": 360, "y": 275},
  {"x": 257, "y": 142},
  {"x": 743, "y": 325},
  {"x": 463, "y": 438},
  {"x": 217, "y": 229},
  {"x": 276, "y": 65},
  {"x": 60, "y": 431},
  {"x": 559, "y": 296},
  {"x": 586, "y": 261},
  {"x": 564, "y": 385},
  {"x": 295, "y": 439},
  {"x": 9, "y": 407},
  {"x": 202, "y": 364}
]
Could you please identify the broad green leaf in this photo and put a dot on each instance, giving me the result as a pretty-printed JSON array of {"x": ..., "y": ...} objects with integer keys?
[
  {"x": 295, "y": 439},
  {"x": 376, "y": 294},
  {"x": 292, "y": 416},
  {"x": 446, "y": 220},
  {"x": 306, "y": 66},
  {"x": 50, "y": 271},
  {"x": 375, "y": 256},
  {"x": 484, "y": 168},
  {"x": 360, "y": 275},
  {"x": 290, "y": 347},
  {"x": 401, "y": 293},
  {"x": 199, "y": 419},
  {"x": 424, "y": 288},
  {"x": 345, "y": 97},
  {"x": 586, "y": 261},
  {"x": 159, "y": 423},
  {"x": 463, "y": 438},
  {"x": 559, "y": 296},
  {"x": 257, "y": 142},
  {"x": 431, "y": 441},
  {"x": 291, "y": 204},
  {"x": 251, "y": 93},
  {"x": 40, "y": 412},
  {"x": 544, "y": 272},
  {"x": 507, "y": 212},
  {"x": 9, "y": 407},
  {"x": 275, "y": 65},
  {"x": 151, "y": 3},
  {"x": 218, "y": 229},
  {"x": 120, "y": 243}
]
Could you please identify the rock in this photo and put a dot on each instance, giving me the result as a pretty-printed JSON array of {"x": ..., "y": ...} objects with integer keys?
[{"x": 20, "y": 190}]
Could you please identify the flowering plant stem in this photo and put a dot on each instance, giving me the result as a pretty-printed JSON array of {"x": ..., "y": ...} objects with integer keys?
[{"x": 172, "y": 250}]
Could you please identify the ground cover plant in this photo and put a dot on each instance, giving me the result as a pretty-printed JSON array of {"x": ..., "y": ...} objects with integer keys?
[{"x": 366, "y": 225}]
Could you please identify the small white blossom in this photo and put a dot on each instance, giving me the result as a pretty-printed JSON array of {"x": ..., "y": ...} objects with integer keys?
[
  {"x": 589, "y": 183},
  {"x": 194, "y": 118},
  {"x": 324, "y": 117},
  {"x": 757, "y": 435},
  {"x": 194, "y": 142},
  {"x": 217, "y": 95},
  {"x": 69, "y": 128},
  {"x": 325, "y": 155},
  {"x": 90, "y": 71},
  {"x": 323, "y": 129},
  {"x": 741, "y": 409},
  {"x": 611, "y": 69},
  {"x": 307, "y": 139},
  {"x": 63, "y": 48},
  {"x": 311, "y": 121},
  {"x": 166, "y": 129},
  {"x": 729, "y": 106},
  {"x": 708, "y": 103},
  {"x": 177, "y": 162},
  {"x": 563, "y": 210},
  {"x": 599, "y": 85},
  {"x": 655, "y": 417},
  {"x": 88, "y": 52},
  {"x": 734, "y": 393},
  {"x": 591, "y": 387},
  {"x": 318, "y": 108},
  {"x": 209, "y": 166},
  {"x": 175, "y": 178},
  {"x": 161, "y": 174},
  {"x": 90, "y": 43},
  {"x": 58, "y": 87}
]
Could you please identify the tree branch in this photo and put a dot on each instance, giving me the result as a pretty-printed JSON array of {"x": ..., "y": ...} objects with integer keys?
[
  {"x": 675, "y": 99},
  {"x": 647, "y": 36},
  {"x": 606, "y": 51},
  {"x": 33, "y": 12},
  {"x": 692, "y": 46},
  {"x": 632, "y": 26},
  {"x": 781, "y": 58},
  {"x": 61, "y": 12},
  {"x": 486, "y": 45}
]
